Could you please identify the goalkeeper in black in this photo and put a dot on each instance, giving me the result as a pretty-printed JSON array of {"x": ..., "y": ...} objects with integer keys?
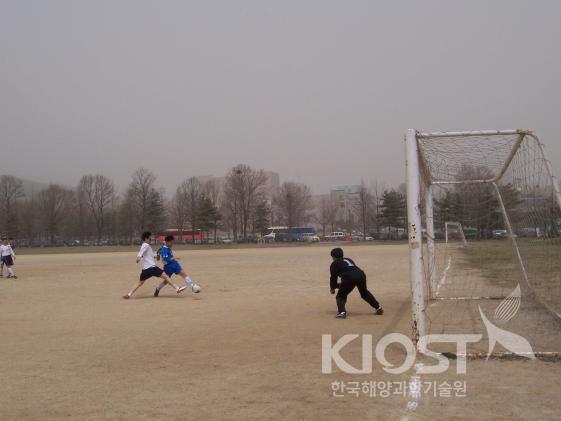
[{"x": 351, "y": 276}]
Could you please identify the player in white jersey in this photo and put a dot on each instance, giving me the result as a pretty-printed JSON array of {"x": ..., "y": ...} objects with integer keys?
[
  {"x": 8, "y": 257},
  {"x": 146, "y": 258}
]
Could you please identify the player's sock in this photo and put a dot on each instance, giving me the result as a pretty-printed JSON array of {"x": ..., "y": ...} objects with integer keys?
[
  {"x": 130, "y": 293},
  {"x": 188, "y": 281},
  {"x": 175, "y": 286},
  {"x": 162, "y": 284},
  {"x": 11, "y": 271}
]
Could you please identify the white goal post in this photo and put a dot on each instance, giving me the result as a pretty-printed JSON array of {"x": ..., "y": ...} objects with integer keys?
[
  {"x": 456, "y": 228},
  {"x": 495, "y": 182}
]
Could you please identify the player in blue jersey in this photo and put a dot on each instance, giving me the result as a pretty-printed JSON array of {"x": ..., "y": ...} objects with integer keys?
[{"x": 172, "y": 266}]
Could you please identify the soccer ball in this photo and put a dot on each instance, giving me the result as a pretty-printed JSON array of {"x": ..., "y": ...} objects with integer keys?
[{"x": 196, "y": 288}]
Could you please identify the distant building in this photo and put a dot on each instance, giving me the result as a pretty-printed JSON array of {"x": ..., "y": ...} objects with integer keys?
[
  {"x": 345, "y": 198},
  {"x": 272, "y": 184}
]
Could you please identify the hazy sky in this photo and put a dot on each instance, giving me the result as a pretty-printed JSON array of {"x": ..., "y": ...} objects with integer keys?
[{"x": 319, "y": 91}]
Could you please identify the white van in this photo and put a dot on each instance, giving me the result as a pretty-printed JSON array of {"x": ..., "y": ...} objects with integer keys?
[
  {"x": 334, "y": 236},
  {"x": 272, "y": 233}
]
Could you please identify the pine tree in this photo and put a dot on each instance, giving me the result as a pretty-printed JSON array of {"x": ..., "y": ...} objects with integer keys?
[{"x": 393, "y": 209}]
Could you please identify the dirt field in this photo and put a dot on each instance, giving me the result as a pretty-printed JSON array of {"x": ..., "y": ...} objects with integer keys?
[{"x": 247, "y": 347}]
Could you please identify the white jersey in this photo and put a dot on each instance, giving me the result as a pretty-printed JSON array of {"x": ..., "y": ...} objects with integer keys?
[
  {"x": 6, "y": 250},
  {"x": 146, "y": 256}
]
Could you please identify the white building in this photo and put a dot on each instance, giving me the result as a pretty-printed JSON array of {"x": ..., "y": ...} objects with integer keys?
[{"x": 345, "y": 198}]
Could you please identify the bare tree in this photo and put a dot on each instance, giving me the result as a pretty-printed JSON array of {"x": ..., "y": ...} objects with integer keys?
[
  {"x": 98, "y": 194},
  {"x": 376, "y": 206},
  {"x": 11, "y": 189},
  {"x": 293, "y": 203},
  {"x": 244, "y": 190},
  {"x": 54, "y": 204},
  {"x": 177, "y": 212},
  {"x": 230, "y": 208},
  {"x": 189, "y": 194},
  {"x": 126, "y": 226},
  {"x": 30, "y": 223},
  {"x": 327, "y": 213},
  {"x": 211, "y": 190},
  {"x": 364, "y": 205},
  {"x": 113, "y": 222},
  {"x": 157, "y": 212},
  {"x": 84, "y": 217},
  {"x": 144, "y": 201}
]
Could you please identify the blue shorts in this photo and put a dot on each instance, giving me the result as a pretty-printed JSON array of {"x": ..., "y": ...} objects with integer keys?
[{"x": 172, "y": 268}]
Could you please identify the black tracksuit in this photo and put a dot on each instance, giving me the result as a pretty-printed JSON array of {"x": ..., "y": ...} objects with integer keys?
[{"x": 351, "y": 276}]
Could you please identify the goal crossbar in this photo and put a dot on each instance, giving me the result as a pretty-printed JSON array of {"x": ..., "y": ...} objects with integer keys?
[{"x": 422, "y": 135}]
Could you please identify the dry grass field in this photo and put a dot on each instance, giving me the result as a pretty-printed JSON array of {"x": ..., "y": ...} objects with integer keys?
[{"x": 247, "y": 348}]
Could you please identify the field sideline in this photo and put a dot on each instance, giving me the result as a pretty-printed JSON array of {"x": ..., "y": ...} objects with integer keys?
[
  {"x": 247, "y": 347},
  {"x": 179, "y": 247}
]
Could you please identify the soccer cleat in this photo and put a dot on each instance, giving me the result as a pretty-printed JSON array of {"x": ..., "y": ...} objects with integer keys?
[
  {"x": 156, "y": 292},
  {"x": 126, "y": 296},
  {"x": 180, "y": 290},
  {"x": 342, "y": 315},
  {"x": 379, "y": 311}
]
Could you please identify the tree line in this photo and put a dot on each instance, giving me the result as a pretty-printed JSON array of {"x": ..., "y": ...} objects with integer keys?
[
  {"x": 477, "y": 205},
  {"x": 380, "y": 212},
  {"x": 242, "y": 205}
]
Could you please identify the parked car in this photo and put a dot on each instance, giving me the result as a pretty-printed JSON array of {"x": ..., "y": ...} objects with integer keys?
[
  {"x": 530, "y": 232},
  {"x": 282, "y": 237},
  {"x": 309, "y": 238},
  {"x": 499, "y": 234},
  {"x": 269, "y": 237},
  {"x": 361, "y": 237},
  {"x": 335, "y": 236}
]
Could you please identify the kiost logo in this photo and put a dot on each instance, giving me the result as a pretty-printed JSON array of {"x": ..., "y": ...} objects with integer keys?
[{"x": 507, "y": 309}]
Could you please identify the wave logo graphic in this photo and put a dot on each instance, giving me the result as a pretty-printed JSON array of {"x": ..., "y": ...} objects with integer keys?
[{"x": 507, "y": 309}]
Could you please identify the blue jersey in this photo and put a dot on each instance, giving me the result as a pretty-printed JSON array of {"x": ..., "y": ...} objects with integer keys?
[{"x": 166, "y": 254}]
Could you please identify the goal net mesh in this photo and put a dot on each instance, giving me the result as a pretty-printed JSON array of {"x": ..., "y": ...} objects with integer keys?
[{"x": 498, "y": 191}]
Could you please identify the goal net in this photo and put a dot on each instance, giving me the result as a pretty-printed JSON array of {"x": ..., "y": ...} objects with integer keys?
[{"x": 484, "y": 213}]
